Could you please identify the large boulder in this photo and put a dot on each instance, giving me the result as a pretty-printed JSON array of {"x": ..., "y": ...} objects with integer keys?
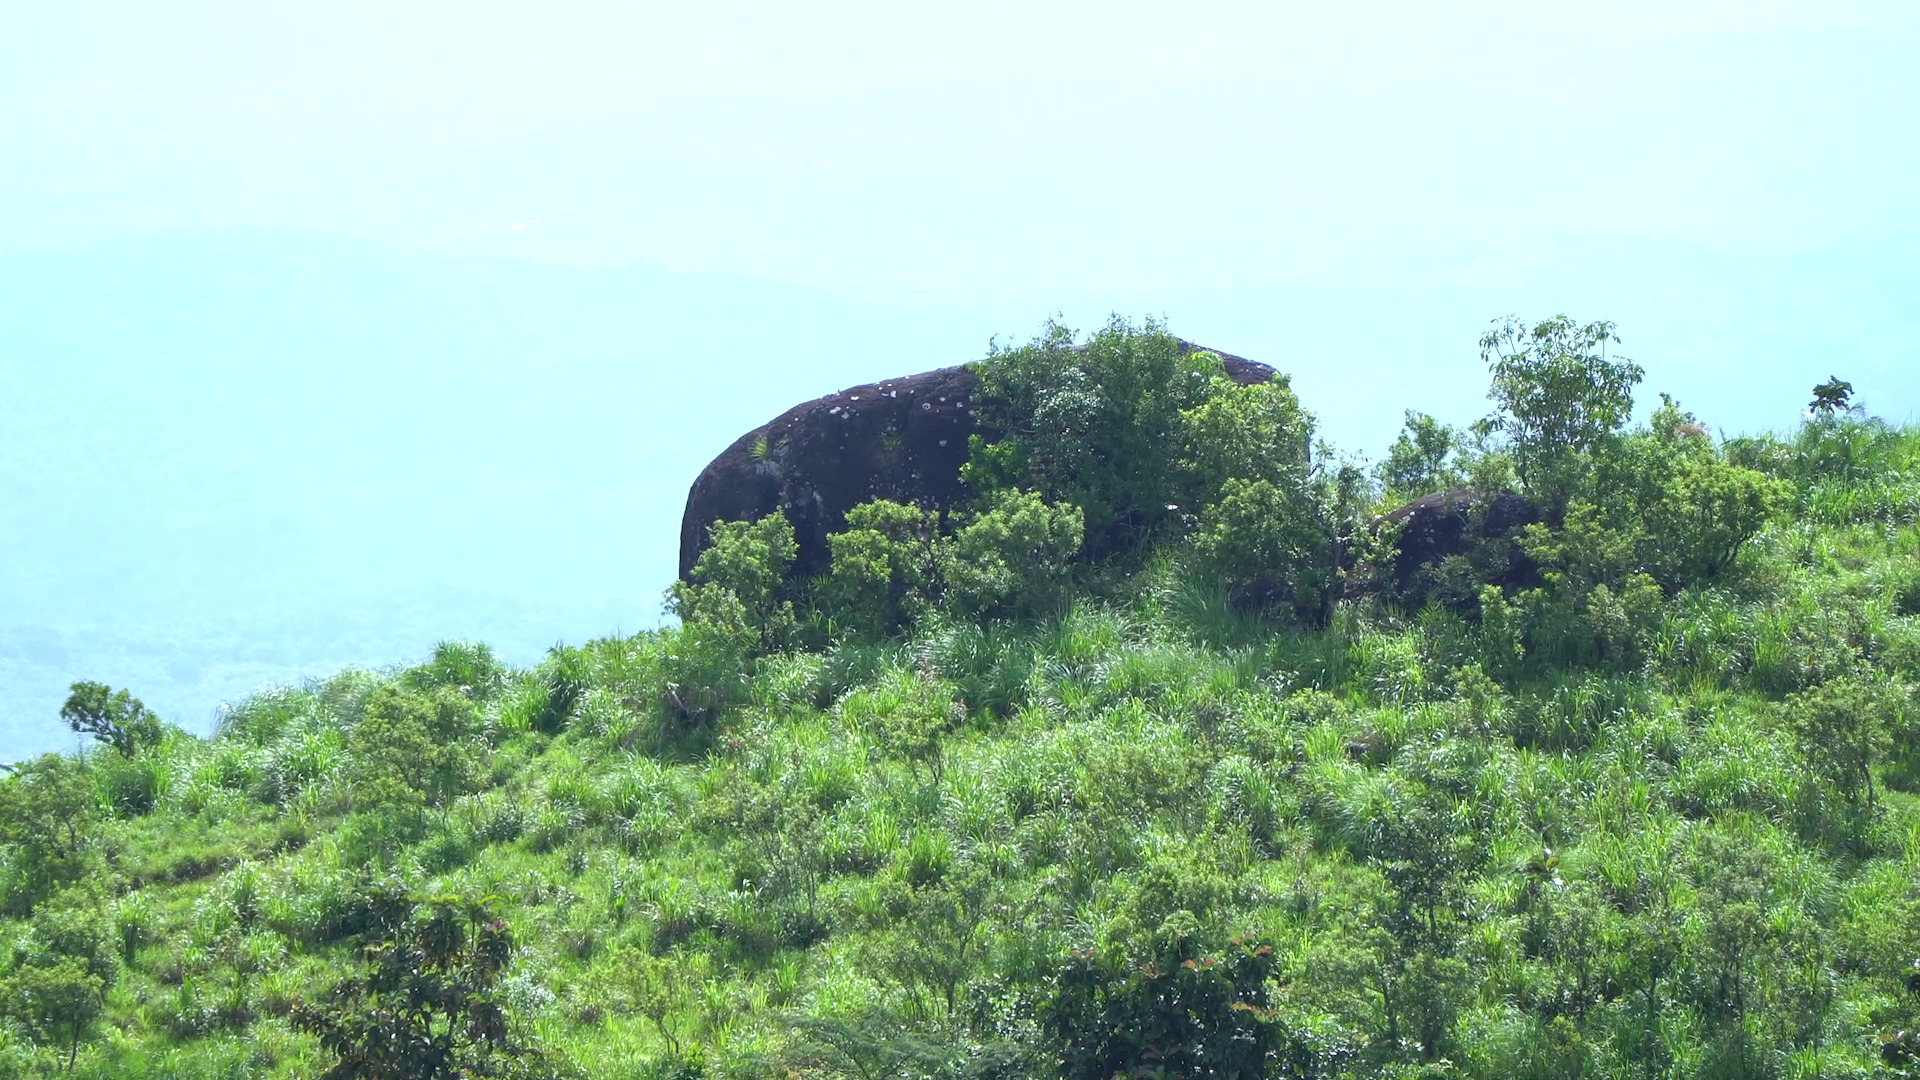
[{"x": 901, "y": 439}]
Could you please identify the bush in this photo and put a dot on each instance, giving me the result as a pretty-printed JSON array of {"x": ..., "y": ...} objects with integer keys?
[
  {"x": 1094, "y": 425},
  {"x": 739, "y": 585},
  {"x": 428, "y": 1006},
  {"x": 411, "y": 749},
  {"x": 49, "y": 820},
  {"x": 1011, "y": 556},
  {"x": 1559, "y": 398},
  {"x": 1270, "y": 545},
  {"x": 1683, "y": 512},
  {"x": 885, "y": 567},
  {"x": 1181, "y": 1011}
]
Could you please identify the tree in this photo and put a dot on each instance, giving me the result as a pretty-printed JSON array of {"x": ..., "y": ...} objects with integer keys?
[
  {"x": 56, "y": 1003},
  {"x": 428, "y": 1007},
  {"x": 47, "y": 817},
  {"x": 1418, "y": 462},
  {"x": 1559, "y": 397},
  {"x": 114, "y": 717},
  {"x": 1830, "y": 397}
]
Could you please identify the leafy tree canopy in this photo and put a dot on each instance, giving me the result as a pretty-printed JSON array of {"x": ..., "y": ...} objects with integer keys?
[
  {"x": 1559, "y": 395},
  {"x": 114, "y": 717}
]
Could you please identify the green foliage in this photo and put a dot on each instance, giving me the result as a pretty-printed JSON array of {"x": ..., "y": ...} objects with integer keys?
[
  {"x": 1182, "y": 1011},
  {"x": 739, "y": 587},
  {"x": 886, "y": 567},
  {"x": 1684, "y": 511},
  {"x": 1012, "y": 556},
  {"x": 55, "y": 984},
  {"x": 1705, "y": 513},
  {"x": 49, "y": 821},
  {"x": 116, "y": 718},
  {"x": 412, "y": 749},
  {"x": 1845, "y": 727},
  {"x": 429, "y": 1004},
  {"x": 1263, "y": 525},
  {"x": 1097, "y": 426},
  {"x": 1256, "y": 432},
  {"x": 1267, "y": 540},
  {"x": 1594, "y": 609},
  {"x": 57, "y": 1003},
  {"x": 1831, "y": 396},
  {"x": 1559, "y": 397},
  {"x": 893, "y": 565},
  {"x": 1155, "y": 444},
  {"x": 1421, "y": 460}
]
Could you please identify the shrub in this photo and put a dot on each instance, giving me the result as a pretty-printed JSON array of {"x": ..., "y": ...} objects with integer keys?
[
  {"x": 1011, "y": 556},
  {"x": 56, "y": 1003},
  {"x": 704, "y": 669},
  {"x": 411, "y": 749},
  {"x": 739, "y": 586},
  {"x": 1093, "y": 425},
  {"x": 429, "y": 1005},
  {"x": 885, "y": 567},
  {"x": 49, "y": 819},
  {"x": 1845, "y": 727},
  {"x": 1269, "y": 544},
  {"x": 1181, "y": 1011}
]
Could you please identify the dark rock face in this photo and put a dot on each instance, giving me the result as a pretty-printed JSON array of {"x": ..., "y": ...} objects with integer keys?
[
  {"x": 1458, "y": 524},
  {"x": 901, "y": 439}
]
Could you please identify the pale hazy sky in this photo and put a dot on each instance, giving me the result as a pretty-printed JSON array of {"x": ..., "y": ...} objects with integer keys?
[
  {"x": 1636, "y": 160},
  {"x": 815, "y": 195},
  {"x": 977, "y": 149}
]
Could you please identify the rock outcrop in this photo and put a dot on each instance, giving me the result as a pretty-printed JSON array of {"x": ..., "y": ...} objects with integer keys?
[
  {"x": 903, "y": 439},
  {"x": 1458, "y": 524}
]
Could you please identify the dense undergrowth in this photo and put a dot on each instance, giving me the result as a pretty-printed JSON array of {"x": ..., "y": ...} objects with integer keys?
[{"x": 1634, "y": 816}]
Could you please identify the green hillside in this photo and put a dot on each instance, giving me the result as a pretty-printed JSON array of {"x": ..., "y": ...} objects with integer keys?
[{"x": 1155, "y": 761}]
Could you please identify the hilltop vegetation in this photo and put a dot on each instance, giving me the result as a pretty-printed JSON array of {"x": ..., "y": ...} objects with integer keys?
[{"x": 1150, "y": 763}]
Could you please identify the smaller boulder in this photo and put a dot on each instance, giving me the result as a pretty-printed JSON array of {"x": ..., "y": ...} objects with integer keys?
[{"x": 1451, "y": 542}]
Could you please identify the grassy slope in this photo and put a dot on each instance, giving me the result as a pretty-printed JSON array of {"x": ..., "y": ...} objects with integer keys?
[{"x": 802, "y": 858}]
